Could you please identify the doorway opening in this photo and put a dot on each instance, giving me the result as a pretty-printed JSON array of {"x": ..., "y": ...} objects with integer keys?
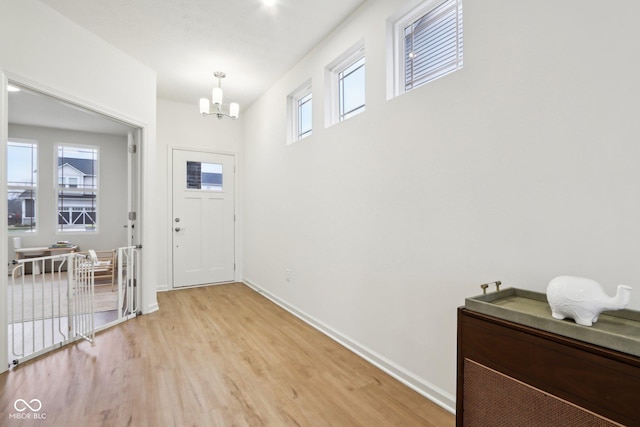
[{"x": 72, "y": 185}]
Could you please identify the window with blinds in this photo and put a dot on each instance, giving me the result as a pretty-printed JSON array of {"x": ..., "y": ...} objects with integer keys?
[{"x": 433, "y": 44}]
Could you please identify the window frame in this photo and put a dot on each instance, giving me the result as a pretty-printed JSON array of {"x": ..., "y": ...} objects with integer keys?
[
  {"x": 396, "y": 26},
  {"x": 293, "y": 112},
  {"x": 333, "y": 71},
  {"x": 63, "y": 187},
  {"x": 34, "y": 188}
]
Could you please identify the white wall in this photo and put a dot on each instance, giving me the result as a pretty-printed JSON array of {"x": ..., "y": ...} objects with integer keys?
[
  {"x": 113, "y": 187},
  {"x": 181, "y": 126},
  {"x": 42, "y": 49},
  {"x": 520, "y": 167}
]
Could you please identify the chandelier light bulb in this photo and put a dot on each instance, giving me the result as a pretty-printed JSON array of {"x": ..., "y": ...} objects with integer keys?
[
  {"x": 204, "y": 106},
  {"x": 234, "y": 110},
  {"x": 216, "y": 96}
]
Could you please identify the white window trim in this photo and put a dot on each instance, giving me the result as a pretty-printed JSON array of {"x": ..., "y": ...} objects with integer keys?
[
  {"x": 293, "y": 111},
  {"x": 395, "y": 42},
  {"x": 349, "y": 57},
  {"x": 57, "y": 187}
]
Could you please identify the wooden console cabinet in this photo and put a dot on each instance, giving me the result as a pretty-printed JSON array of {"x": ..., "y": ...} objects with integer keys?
[{"x": 514, "y": 375}]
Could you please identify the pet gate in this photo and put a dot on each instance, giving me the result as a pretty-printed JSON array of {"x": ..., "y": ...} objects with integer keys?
[
  {"x": 50, "y": 303},
  {"x": 56, "y": 299}
]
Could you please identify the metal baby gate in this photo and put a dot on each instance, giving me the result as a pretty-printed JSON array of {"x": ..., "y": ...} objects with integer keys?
[{"x": 51, "y": 300}]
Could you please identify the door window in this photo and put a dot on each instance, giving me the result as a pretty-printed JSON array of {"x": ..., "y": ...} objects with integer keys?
[{"x": 204, "y": 176}]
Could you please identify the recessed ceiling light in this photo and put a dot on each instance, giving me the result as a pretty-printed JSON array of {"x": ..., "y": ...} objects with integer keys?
[
  {"x": 269, "y": 2},
  {"x": 11, "y": 88}
]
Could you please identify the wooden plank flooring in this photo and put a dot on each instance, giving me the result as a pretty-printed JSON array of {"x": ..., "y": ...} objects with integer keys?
[{"x": 213, "y": 356}]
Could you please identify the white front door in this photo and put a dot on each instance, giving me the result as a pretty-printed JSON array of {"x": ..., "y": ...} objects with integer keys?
[{"x": 203, "y": 218}]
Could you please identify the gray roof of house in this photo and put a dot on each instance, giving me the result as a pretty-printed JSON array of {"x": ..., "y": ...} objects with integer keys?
[{"x": 86, "y": 166}]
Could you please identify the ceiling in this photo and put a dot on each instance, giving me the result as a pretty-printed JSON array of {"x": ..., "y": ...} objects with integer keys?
[
  {"x": 186, "y": 41},
  {"x": 28, "y": 107}
]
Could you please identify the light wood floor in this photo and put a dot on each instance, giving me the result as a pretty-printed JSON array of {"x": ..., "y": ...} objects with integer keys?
[{"x": 213, "y": 356}]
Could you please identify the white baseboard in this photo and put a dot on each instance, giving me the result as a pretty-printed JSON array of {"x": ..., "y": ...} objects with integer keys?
[
  {"x": 426, "y": 389},
  {"x": 151, "y": 308},
  {"x": 163, "y": 288}
]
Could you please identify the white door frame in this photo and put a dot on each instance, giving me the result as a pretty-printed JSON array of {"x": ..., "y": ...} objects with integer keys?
[
  {"x": 145, "y": 202},
  {"x": 4, "y": 234},
  {"x": 169, "y": 218}
]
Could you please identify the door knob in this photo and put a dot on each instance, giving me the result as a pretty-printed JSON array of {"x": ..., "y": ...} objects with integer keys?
[{"x": 177, "y": 228}]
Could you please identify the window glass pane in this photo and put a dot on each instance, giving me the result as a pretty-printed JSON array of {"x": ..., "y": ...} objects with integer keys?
[
  {"x": 194, "y": 175},
  {"x": 77, "y": 191},
  {"x": 22, "y": 164},
  {"x": 21, "y": 206},
  {"x": 212, "y": 176},
  {"x": 304, "y": 116},
  {"x": 78, "y": 167},
  {"x": 77, "y": 211},
  {"x": 22, "y": 173},
  {"x": 352, "y": 89},
  {"x": 204, "y": 176}
]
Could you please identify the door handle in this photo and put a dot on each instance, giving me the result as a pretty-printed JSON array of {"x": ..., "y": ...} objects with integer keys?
[{"x": 177, "y": 228}]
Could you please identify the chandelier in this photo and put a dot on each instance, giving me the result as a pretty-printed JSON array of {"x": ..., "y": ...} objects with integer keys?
[{"x": 216, "y": 100}]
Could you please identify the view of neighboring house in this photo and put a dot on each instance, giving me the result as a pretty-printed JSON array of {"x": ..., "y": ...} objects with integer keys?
[
  {"x": 77, "y": 197},
  {"x": 77, "y": 189},
  {"x": 22, "y": 180},
  {"x": 22, "y": 212}
]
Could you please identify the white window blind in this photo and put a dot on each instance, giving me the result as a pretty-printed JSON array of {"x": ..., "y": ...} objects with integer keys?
[{"x": 433, "y": 44}]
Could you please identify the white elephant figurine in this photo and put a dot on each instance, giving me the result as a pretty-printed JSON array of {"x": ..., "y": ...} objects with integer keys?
[{"x": 583, "y": 299}]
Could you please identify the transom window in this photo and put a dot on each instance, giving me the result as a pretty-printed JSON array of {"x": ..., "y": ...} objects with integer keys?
[
  {"x": 345, "y": 85},
  {"x": 428, "y": 44},
  {"x": 300, "y": 113}
]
